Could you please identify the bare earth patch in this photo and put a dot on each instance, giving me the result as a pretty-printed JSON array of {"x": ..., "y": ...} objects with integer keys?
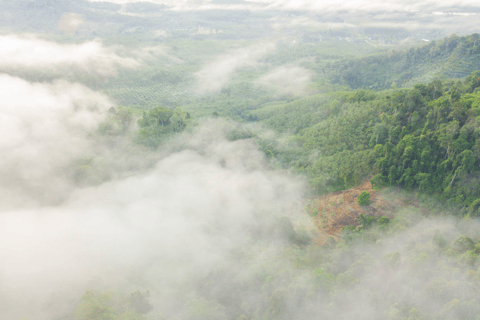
[{"x": 339, "y": 209}]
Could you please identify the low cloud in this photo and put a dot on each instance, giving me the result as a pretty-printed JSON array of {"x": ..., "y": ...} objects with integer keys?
[
  {"x": 161, "y": 230},
  {"x": 309, "y": 22},
  {"x": 42, "y": 128},
  {"x": 312, "y": 5},
  {"x": 216, "y": 74},
  {"x": 70, "y": 22},
  {"x": 287, "y": 80},
  {"x": 35, "y": 54}
]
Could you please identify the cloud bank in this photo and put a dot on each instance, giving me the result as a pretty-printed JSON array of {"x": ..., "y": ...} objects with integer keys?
[
  {"x": 157, "y": 230},
  {"x": 312, "y": 5},
  {"x": 42, "y": 128},
  {"x": 388, "y": 5},
  {"x": 35, "y": 54}
]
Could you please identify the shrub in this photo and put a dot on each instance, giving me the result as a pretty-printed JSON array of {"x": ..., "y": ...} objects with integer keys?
[
  {"x": 463, "y": 244},
  {"x": 383, "y": 221},
  {"x": 364, "y": 198},
  {"x": 379, "y": 181},
  {"x": 366, "y": 221}
]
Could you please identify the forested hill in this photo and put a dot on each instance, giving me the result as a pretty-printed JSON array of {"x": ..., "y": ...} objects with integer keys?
[
  {"x": 453, "y": 57},
  {"x": 425, "y": 138},
  {"x": 432, "y": 142}
]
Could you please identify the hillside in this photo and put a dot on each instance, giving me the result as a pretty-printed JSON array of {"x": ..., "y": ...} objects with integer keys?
[
  {"x": 453, "y": 57},
  {"x": 239, "y": 160}
]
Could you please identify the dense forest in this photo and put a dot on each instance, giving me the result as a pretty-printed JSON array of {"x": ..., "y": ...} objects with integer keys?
[
  {"x": 241, "y": 160},
  {"x": 423, "y": 140}
]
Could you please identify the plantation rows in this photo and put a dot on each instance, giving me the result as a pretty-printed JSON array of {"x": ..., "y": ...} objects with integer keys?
[{"x": 153, "y": 94}]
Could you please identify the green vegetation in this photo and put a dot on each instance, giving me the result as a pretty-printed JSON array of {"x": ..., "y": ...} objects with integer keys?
[
  {"x": 379, "y": 262},
  {"x": 452, "y": 57},
  {"x": 160, "y": 123},
  {"x": 430, "y": 140},
  {"x": 110, "y": 306},
  {"x": 363, "y": 198},
  {"x": 373, "y": 104}
]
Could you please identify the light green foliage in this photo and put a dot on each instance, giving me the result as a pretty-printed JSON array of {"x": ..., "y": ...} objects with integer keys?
[
  {"x": 363, "y": 198},
  {"x": 393, "y": 259},
  {"x": 322, "y": 280},
  {"x": 95, "y": 307},
  {"x": 202, "y": 309},
  {"x": 158, "y": 124},
  {"x": 405, "y": 68},
  {"x": 111, "y": 306},
  {"x": 312, "y": 208}
]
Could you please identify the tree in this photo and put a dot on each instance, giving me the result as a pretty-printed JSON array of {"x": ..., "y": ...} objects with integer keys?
[
  {"x": 109, "y": 306},
  {"x": 364, "y": 198},
  {"x": 95, "y": 306}
]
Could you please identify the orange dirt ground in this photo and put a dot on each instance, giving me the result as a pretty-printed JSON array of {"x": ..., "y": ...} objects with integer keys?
[{"x": 339, "y": 209}]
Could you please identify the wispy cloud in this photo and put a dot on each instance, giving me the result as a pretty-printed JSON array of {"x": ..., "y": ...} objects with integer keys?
[
  {"x": 216, "y": 74},
  {"x": 313, "y": 5},
  {"x": 287, "y": 80},
  {"x": 388, "y": 5},
  {"x": 31, "y": 52}
]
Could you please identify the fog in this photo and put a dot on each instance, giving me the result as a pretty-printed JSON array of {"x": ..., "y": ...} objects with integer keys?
[
  {"x": 220, "y": 71},
  {"x": 209, "y": 219},
  {"x": 287, "y": 80},
  {"x": 179, "y": 221},
  {"x": 44, "y": 126},
  {"x": 199, "y": 224}
]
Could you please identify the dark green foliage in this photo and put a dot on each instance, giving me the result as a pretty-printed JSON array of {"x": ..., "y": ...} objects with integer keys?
[
  {"x": 379, "y": 181},
  {"x": 431, "y": 144},
  {"x": 363, "y": 198},
  {"x": 463, "y": 244},
  {"x": 383, "y": 221},
  {"x": 438, "y": 239},
  {"x": 348, "y": 230},
  {"x": 366, "y": 221},
  {"x": 160, "y": 123}
]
